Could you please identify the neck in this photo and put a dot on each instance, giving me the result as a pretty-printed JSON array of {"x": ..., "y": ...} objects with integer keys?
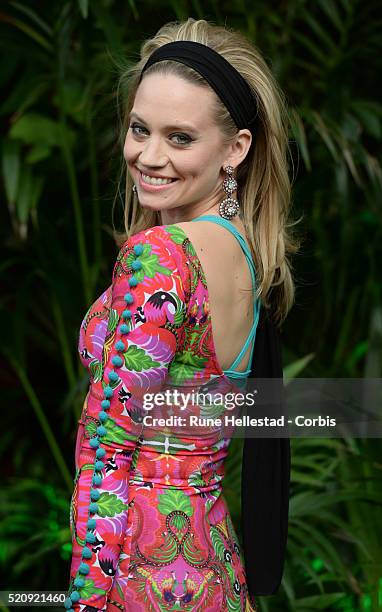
[
  {"x": 181, "y": 214},
  {"x": 169, "y": 219}
]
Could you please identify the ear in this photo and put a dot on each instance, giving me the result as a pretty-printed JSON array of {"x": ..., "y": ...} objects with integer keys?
[{"x": 238, "y": 150}]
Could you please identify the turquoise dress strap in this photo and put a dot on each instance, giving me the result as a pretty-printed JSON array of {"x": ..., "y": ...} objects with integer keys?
[{"x": 231, "y": 372}]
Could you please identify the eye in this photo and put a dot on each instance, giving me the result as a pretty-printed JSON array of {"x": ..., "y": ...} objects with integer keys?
[
  {"x": 186, "y": 138},
  {"x": 136, "y": 126}
]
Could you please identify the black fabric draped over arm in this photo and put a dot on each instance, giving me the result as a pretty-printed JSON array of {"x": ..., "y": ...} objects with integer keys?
[{"x": 265, "y": 479}]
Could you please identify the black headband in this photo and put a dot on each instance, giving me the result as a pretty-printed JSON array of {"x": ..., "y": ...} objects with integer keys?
[{"x": 230, "y": 86}]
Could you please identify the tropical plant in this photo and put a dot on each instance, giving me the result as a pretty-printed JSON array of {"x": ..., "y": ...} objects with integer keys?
[{"x": 61, "y": 166}]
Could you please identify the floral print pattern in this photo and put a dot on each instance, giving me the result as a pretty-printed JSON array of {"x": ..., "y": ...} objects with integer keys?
[{"x": 158, "y": 530}]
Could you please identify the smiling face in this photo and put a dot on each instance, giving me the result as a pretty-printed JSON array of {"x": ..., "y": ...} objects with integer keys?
[{"x": 172, "y": 135}]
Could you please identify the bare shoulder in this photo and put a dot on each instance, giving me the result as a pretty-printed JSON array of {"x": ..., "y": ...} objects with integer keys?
[
  {"x": 204, "y": 234},
  {"x": 219, "y": 254}
]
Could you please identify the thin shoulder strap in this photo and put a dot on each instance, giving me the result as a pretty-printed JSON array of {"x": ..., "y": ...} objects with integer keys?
[{"x": 256, "y": 308}]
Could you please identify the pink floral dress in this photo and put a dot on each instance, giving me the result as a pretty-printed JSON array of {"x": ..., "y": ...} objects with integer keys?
[{"x": 150, "y": 527}]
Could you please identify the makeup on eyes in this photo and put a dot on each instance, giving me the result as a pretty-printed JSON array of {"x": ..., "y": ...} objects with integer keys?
[
  {"x": 187, "y": 139},
  {"x": 192, "y": 133}
]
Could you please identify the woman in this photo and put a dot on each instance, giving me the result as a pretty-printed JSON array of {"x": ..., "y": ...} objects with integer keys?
[{"x": 151, "y": 529}]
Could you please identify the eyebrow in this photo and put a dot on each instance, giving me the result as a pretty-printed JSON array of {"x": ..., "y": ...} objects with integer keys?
[{"x": 183, "y": 126}]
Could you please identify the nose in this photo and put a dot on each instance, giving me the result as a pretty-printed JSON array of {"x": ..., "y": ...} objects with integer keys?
[{"x": 152, "y": 153}]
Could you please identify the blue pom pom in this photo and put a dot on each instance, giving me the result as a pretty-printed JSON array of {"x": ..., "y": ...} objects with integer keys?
[
  {"x": 105, "y": 404},
  {"x": 124, "y": 329},
  {"x": 108, "y": 391},
  {"x": 129, "y": 299},
  {"x": 99, "y": 465},
  {"x": 136, "y": 265},
  {"x": 99, "y": 454},
  {"x": 127, "y": 314},
  {"x": 101, "y": 430},
  {"x": 97, "y": 480},
  {"x": 86, "y": 554},
  {"x": 117, "y": 361},
  {"x": 119, "y": 346},
  {"x": 113, "y": 376},
  {"x": 94, "y": 495},
  {"x": 68, "y": 603},
  {"x": 94, "y": 442},
  {"x": 74, "y": 596},
  {"x": 102, "y": 416},
  {"x": 83, "y": 569},
  {"x": 91, "y": 524},
  {"x": 93, "y": 508},
  {"x": 90, "y": 537},
  {"x": 133, "y": 281},
  {"x": 138, "y": 249},
  {"x": 79, "y": 582}
]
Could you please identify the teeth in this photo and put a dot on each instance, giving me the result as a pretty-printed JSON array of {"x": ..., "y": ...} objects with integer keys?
[{"x": 155, "y": 181}]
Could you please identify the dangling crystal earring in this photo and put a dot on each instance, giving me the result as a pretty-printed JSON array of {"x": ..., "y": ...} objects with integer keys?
[
  {"x": 229, "y": 207},
  {"x": 134, "y": 189}
]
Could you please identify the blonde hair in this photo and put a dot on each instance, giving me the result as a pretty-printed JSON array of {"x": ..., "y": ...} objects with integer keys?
[{"x": 264, "y": 188}]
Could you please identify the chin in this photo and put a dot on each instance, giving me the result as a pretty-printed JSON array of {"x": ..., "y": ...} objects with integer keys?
[{"x": 149, "y": 206}]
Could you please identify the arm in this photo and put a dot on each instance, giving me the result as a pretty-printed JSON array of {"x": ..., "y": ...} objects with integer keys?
[{"x": 144, "y": 329}]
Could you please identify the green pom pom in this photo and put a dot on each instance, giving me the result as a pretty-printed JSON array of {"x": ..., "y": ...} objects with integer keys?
[
  {"x": 90, "y": 538},
  {"x": 108, "y": 391},
  {"x": 117, "y": 361},
  {"x": 86, "y": 554},
  {"x": 138, "y": 249},
  {"x": 136, "y": 265},
  {"x": 102, "y": 417},
  {"x": 79, "y": 582},
  {"x": 129, "y": 299},
  {"x": 97, "y": 480},
  {"x": 94, "y": 442},
  {"x": 74, "y": 596}
]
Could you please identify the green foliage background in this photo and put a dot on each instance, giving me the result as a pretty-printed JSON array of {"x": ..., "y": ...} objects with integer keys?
[{"x": 60, "y": 169}]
